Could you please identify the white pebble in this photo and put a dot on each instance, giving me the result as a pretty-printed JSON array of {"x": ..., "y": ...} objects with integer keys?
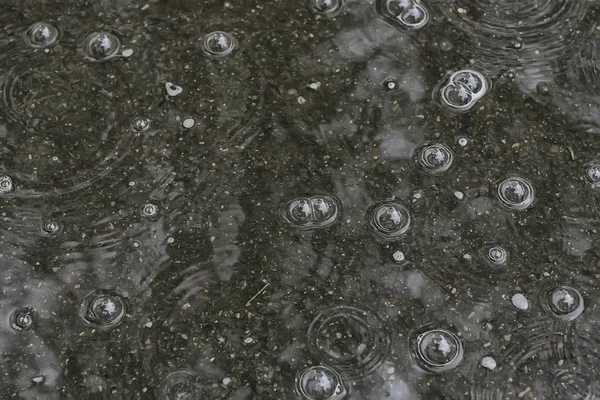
[
  {"x": 226, "y": 381},
  {"x": 398, "y": 256},
  {"x": 520, "y": 301},
  {"x": 127, "y": 52},
  {"x": 38, "y": 379},
  {"x": 489, "y": 363},
  {"x": 459, "y": 195},
  {"x": 173, "y": 89},
  {"x": 248, "y": 340},
  {"x": 189, "y": 123}
]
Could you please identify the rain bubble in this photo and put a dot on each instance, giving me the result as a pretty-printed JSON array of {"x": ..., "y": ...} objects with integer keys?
[
  {"x": 317, "y": 211},
  {"x": 6, "y": 184},
  {"x": 188, "y": 123},
  {"x": 327, "y": 7},
  {"x": 181, "y": 385},
  {"x": 140, "y": 124},
  {"x": 51, "y": 227},
  {"x": 462, "y": 141},
  {"x": 103, "y": 309},
  {"x": 462, "y": 89},
  {"x": 41, "y": 35},
  {"x": 516, "y": 193},
  {"x": 150, "y": 210},
  {"x": 543, "y": 89},
  {"x": 390, "y": 84},
  {"x": 403, "y": 14},
  {"x": 22, "y": 319},
  {"x": 218, "y": 44},
  {"x": 414, "y": 16},
  {"x": 438, "y": 350},
  {"x": 102, "y": 46},
  {"x": 320, "y": 383},
  {"x": 389, "y": 220},
  {"x": 472, "y": 80},
  {"x": 435, "y": 158},
  {"x": 456, "y": 96},
  {"x": 563, "y": 302},
  {"x": 592, "y": 174},
  {"x": 497, "y": 255},
  {"x": 398, "y": 256}
]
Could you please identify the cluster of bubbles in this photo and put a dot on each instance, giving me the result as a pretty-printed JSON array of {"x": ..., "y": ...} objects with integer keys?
[
  {"x": 389, "y": 220},
  {"x": 103, "y": 309},
  {"x": 563, "y": 302},
  {"x": 437, "y": 350},
  {"x": 402, "y": 14},
  {"x": 318, "y": 211},
  {"x": 515, "y": 193},
  {"x": 434, "y": 158},
  {"x": 6, "y": 184},
  {"x": 41, "y": 35},
  {"x": 329, "y": 8},
  {"x": 218, "y": 44},
  {"x": 461, "y": 90},
  {"x": 320, "y": 383},
  {"x": 353, "y": 341},
  {"x": 150, "y": 211},
  {"x": 101, "y": 46},
  {"x": 22, "y": 319}
]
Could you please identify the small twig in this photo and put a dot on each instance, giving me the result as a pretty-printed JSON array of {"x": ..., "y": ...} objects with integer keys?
[
  {"x": 572, "y": 153},
  {"x": 256, "y": 295}
]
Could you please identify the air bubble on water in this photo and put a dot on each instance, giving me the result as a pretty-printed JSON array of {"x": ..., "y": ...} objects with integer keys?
[
  {"x": 592, "y": 174},
  {"x": 414, "y": 16},
  {"x": 403, "y": 14},
  {"x": 515, "y": 193},
  {"x": 438, "y": 350},
  {"x": 435, "y": 158},
  {"x": 329, "y": 8},
  {"x": 101, "y": 46},
  {"x": 218, "y": 44},
  {"x": 188, "y": 123},
  {"x": 127, "y": 53},
  {"x": 41, "y": 35},
  {"x": 398, "y": 256},
  {"x": 103, "y": 309},
  {"x": 390, "y": 84},
  {"x": 520, "y": 301},
  {"x": 462, "y": 141},
  {"x": 51, "y": 227},
  {"x": 22, "y": 319},
  {"x": 320, "y": 383},
  {"x": 318, "y": 211},
  {"x": 6, "y": 184},
  {"x": 457, "y": 97},
  {"x": 489, "y": 363},
  {"x": 150, "y": 211},
  {"x": 173, "y": 89},
  {"x": 140, "y": 124},
  {"x": 497, "y": 255},
  {"x": 389, "y": 220},
  {"x": 563, "y": 302},
  {"x": 462, "y": 89},
  {"x": 543, "y": 89}
]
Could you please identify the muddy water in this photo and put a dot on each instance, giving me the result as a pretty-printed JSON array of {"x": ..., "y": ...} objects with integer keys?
[{"x": 300, "y": 200}]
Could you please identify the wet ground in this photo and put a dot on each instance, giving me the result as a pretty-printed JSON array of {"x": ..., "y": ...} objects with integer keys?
[{"x": 300, "y": 200}]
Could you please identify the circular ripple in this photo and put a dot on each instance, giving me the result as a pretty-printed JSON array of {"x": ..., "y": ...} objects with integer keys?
[
  {"x": 497, "y": 255},
  {"x": 438, "y": 350},
  {"x": 563, "y": 302},
  {"x": 572, "y": 385},
  {"x": 320, "y": 383},
  {"x": 509, "y": 32},
  {"x": 402, "y": 14},
  {"x": 150, "y": 211},
  {"x": 516, "y": 193},
  {"x": 51, "y": 228},
  {"x": 353, "y": 341},
  {"x": 103, "y": 309},
  {"x": 329, "y": 8},
  {"x": 592, "y": 174},
  {"x": 7, "y": 184},
  {"x": 389, "y": 220},
  {"x": 41, "y": 35},
  {"x": 101, "y": 46},
  {"x": 435, "y": 158},
  {"x": 319, "y": 211},
  {"x": 181, "y": 385},
  {"x": 22, "y": 319},
  {"x": 218, "y": 44}
]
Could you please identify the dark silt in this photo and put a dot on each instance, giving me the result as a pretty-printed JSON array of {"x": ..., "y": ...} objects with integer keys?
[{"x": 300, "y": 199}]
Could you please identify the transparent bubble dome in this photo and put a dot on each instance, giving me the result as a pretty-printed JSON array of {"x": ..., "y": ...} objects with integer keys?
[
  {"x": 320, "y": 383},
  {"x": 218, "y": 44},
  {"x": 462, "y": 89},
  {"x": 22, "y": 319},
  {"x": 327, "y": 7},
  {"x": 103, "y": 309},
  {"x": 6, "y": 184},
  {"x": 41, "y": 35},
  {"x": 592, "y": 174},
  {"x": 438, "y": 350},
  {"x": 402, "y": 14},
  {"x": 497, "y": 255},
  {"x": 102, "y": 46},
  {"x": 563, "y": 302},
  {"x": 389, "y": 220},
  {"x": 319, "y": 211},
  {"x": 435, "y": 158},
  {"x": 150, "y": 211},
  {"x": 516, "y": 193}
]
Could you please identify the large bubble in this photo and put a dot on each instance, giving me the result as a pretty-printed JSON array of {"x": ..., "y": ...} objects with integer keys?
[
  {"x": 389, "y": 220},
  {"x": 460, "y": 91},
  {"x": 41, "y": 35},
  {"x": 563, "y": 302},
  {"x": 103, "y": 309},
  {"x": 319, "y": 211},
  {"x": 101, "y": 46},
  {"x": 516, "y": 193},
  {"x": 405, "y": 15},
  {"x": 321, "y": 383},
  {"x": 218, "y": 44},
  {"x": 438, "y": 350}
]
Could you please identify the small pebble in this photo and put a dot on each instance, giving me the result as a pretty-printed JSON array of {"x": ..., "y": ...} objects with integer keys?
[
  {"x": 398, "y": 256},
  {"x": 462, "y": 141},
  {"x": 127, "y": 52},
  {"x": 226, "y": 381},
  {"x": 173, "y": 89},
  {"x": 189, "y": 123},
  {"x": 520, "y": 301},
  {"x": 38, "y": 379},
  {"x": 489, "y": 363},
  {"x": 459, "y": 195}
]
